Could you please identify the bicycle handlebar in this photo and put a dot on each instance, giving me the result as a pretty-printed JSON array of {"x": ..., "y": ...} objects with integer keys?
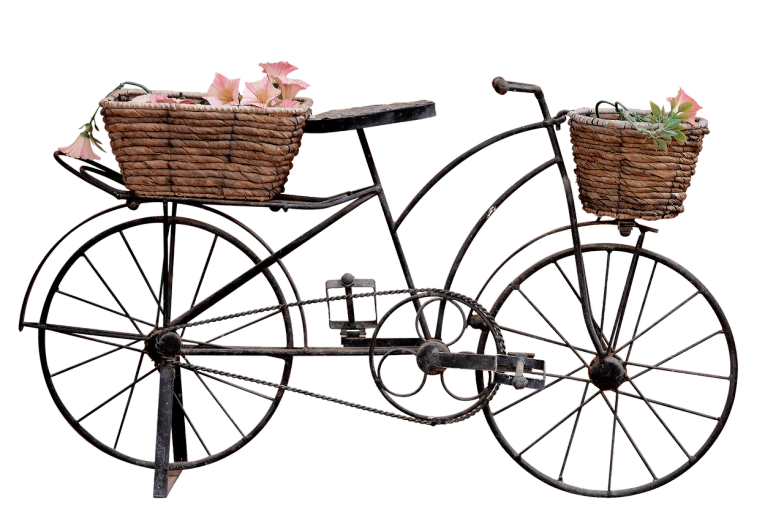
[{"x": 502, "y": 86}]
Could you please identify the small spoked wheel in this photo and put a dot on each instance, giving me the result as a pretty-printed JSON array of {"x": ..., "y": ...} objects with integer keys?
[
  {"x": 100, "y": 348},
  {"x": 402, "y": 371},
  {"x": 637, "y": 419}
]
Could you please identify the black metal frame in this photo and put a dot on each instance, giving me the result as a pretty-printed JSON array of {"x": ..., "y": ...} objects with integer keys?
[
  {"x": 170, "y": 423},
  {"x": 355, "y": 199}
]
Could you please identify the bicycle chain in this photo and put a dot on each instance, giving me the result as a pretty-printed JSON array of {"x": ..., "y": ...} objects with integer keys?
[
  {"x": 310, "y": 394},
  {"x": 427, "y": 292}
]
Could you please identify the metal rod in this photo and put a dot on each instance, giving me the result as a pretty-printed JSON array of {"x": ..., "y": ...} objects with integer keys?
[
  {"x": 85, "y": 331},
  {"x": 628, "y": 436},
  {"x": 551, "y": 429},
  {"x": 627, "y": 288},
  {"x": 110, "y": 310},
  {"x": 136, "y": 261},
  {"x": 571, "y": 208},
  {"x": 538, "y": 311},
  {"x": 536, "y": 337},
  {"x": 128, "y": 402},
  {"x": 204, "y": 270},
  {"x": 574, "y": 429},
  {"x": 115, "y": 395},
  {"x": 163, "y": 436},
  {"x": 695, "y": 344},
  {"x": 125, "y": 311},
  {"x": 232, "y": 286},
  {"x": 524, "y": 398},
  {"x": 391, "y": 226},
  {"x": 279, "y": 263}
]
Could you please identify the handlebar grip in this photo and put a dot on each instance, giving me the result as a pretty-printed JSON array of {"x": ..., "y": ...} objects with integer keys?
[{"x": 500, "y": 85}]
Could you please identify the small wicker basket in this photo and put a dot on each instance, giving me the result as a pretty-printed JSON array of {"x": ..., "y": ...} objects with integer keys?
[
  {"x": 203, "y": 151},
  {"x": 619, "y": 172}
]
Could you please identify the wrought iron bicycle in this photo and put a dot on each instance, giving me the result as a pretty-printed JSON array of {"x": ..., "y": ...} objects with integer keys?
[{"x": 154, "y": 340}]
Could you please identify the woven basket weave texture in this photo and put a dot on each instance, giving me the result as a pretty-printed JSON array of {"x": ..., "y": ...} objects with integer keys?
[
  {"x": 619, "y": 172},
  {"x": 203, "y": 151}
]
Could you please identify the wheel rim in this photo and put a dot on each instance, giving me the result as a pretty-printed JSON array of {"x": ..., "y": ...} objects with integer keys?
[
  {"x": 661, "y": 415},
  {"x": 223, "y": 398}
]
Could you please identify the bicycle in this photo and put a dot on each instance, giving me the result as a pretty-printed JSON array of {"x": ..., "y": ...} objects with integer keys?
[{"x": 162, "y": 343}]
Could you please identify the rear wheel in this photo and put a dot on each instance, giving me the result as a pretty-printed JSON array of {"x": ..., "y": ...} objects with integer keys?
[{"x": 111, "y": 294}]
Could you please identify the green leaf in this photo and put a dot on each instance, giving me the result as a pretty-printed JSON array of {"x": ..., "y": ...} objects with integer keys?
[
  {"x": 684, "y": 107},
  {"x": 655, "y": 110},
  {"x": 662, "y": 144},
  {"x": 673, "y": 101},
  {"x": 680, "y": 136},
  {"x": 673, "y": 123}
]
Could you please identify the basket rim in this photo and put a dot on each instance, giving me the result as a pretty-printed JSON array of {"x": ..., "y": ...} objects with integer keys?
[
  {"x": 111, "y": 102},
  {"x": 582, "y": 115}
]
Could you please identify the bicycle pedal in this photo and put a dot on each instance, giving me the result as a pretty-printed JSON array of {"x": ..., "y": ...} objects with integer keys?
[
  {"x": 528, "y": 383},
  {"x": 351, "y": 328}
]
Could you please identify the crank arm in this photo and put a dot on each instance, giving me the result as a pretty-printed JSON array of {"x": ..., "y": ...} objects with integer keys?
[
  {"x": 436, "y": 359},
  {"x": 488, "y": 362}
]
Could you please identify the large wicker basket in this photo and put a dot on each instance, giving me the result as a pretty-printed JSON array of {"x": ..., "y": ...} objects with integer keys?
[
  {"x": 203, "y": 151},
  {"x": 619, "y": 172}
]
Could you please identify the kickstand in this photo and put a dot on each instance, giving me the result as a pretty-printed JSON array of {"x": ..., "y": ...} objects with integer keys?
[{"x": 164, "y": 477}]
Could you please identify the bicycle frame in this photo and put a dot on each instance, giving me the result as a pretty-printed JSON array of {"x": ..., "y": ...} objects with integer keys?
[{"x": 356, "y": 198}]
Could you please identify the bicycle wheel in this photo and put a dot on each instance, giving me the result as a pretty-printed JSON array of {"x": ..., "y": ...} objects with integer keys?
[
  {"x": 110, "y": 296},
  {"x": 667, "y": 404}
]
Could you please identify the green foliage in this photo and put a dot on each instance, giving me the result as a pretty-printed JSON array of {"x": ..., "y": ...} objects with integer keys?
[{"x": 664, "y": 123}]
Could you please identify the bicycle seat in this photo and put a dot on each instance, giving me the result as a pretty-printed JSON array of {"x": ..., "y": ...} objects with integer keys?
[{"x": 370, "y": 116}]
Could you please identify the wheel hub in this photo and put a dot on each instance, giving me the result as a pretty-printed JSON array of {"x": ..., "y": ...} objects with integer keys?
[
  {"x": 607, "y": 373},
  {"x": 165, "y": 345},
  {"x": 423, "y": 356}
]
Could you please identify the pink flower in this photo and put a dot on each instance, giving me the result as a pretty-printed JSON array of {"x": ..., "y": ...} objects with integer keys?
[
  {"x": 260, "y": 93},
  {"x": 159, "y": 98},
  {"x": 223, "y": 91},
  {"x": 164, "y": 99},
  {"x": 290, "y": 88},
  {"x": 146, "y": 98},
  {"x": 682, "y": 97},
  {"x": 277, "y": 70},
  {"x": 288, "y": 104},
  {"x": 81, "y": 148}
]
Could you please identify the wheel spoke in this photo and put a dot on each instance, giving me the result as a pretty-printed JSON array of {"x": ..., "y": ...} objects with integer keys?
[
  {"x": 237, "y": 386},
  {"x": 604, "y": 293},
  {"x": 695, "y": 344},
  {"x": 203, "y": 275},
  {"x": 628, "y": 436},
  {"x": 627, "y": 289},
  {"x": 128, "y": 403},
  {"x": 561, "y": 376},
  {"x": 137, "y": 380},
  {"x": 688, "y": 456},
  {"x": 574, "y": 429},
  {"x": 98, "y": 340},
  {"x": 110, "y": 310},
  {"x": 265, "y": 317},
  {"x": 524, "y": 398},
  {"x": 576, "y": 294},
  {"x": 179, "y": 404},
  {"x": 216, "y": 400},
  {"x": 61, "y": 371},
  {"x": 136, "y": 261},
  {"x": 551, "y": 429},
  {"x": 670, "y": 312},
  {"x": 112, "y": 293},
  {"x": 663, "y": 404},
  {"x": 197, "y": 343},
  {"x": 568, "y": 282},
  {"x": 552, "y": 327},
  {"x": 612, "y": 444},
  {"x": 642, "y": 308},
  {"x": 59, "y": 328},
  {"x": 536, "y": 337},
  {"x": 169, "y": 237},
  {"x": 680, "y": 371}
]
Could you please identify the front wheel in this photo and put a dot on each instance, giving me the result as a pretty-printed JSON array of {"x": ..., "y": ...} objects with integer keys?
[{"x": 675, "y": 381}]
